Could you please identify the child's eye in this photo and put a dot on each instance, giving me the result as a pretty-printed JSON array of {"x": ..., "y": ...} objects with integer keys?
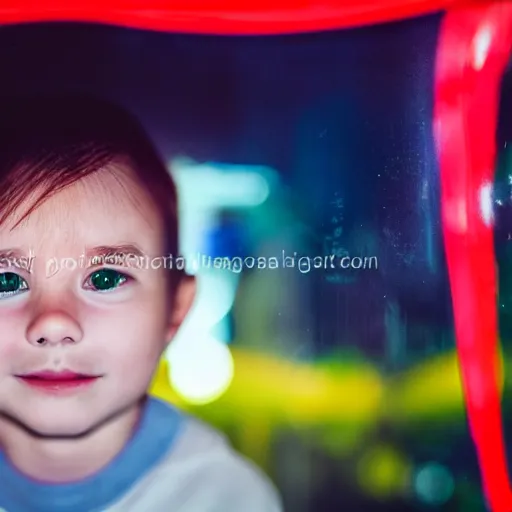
[
  {"x": 105, "y": 279},
  {"x": 11, "y": 284}
]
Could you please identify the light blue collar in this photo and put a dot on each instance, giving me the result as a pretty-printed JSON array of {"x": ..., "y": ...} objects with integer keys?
[{"x": 158, "y": 428}]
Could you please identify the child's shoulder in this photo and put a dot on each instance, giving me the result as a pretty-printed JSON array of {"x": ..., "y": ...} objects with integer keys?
[{"x": 202, "y": 473}]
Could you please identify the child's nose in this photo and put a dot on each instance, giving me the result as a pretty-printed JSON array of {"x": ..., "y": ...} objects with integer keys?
[{"x": 54, "y": 328}]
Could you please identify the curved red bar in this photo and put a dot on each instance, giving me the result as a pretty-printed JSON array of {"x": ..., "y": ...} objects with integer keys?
[
  {"x": 474, "y": 48},
  {"x": 223, "y": 16}
]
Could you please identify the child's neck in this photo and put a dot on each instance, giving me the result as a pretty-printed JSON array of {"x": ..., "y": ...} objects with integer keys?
[{"x": 64, "y": 461}]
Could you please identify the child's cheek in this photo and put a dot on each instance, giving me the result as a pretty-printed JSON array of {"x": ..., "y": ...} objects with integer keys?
[
  {"x": 128, "y": 337},
  {"x": 12, "y": 332}
]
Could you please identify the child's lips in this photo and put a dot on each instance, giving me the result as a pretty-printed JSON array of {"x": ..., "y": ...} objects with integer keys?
[{"x": 57, "y": 381}]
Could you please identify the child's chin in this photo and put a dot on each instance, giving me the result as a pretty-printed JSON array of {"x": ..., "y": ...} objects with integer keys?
[
  {"x": 60, "y": 427},
  {"x": 58, "y": 423}
]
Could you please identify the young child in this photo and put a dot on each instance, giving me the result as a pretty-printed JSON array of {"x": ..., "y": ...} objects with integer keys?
[{"x": 80, "y": 180}]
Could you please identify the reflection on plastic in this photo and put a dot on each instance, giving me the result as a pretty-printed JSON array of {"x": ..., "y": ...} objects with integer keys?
[
  {"x": 482, "y": 45},
  {"x": 486, "y": 204}
]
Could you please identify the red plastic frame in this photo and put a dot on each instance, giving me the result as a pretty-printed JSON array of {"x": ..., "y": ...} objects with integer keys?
[
  {"x": 223, "y": 16},
  {"x": 474, "y": 46}
]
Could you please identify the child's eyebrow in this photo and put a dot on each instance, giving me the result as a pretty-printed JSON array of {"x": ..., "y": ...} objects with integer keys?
[
  {"x": 12, "y": 253},
  {"x": 104, "y": 251},
  {"x": 113, "y": 254}
]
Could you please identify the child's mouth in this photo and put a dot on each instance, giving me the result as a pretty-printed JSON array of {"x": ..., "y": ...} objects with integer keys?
[{"x": 58, "y": 381}]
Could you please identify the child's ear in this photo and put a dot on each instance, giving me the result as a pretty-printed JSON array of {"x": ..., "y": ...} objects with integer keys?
[{"x": 183, "y": 299}]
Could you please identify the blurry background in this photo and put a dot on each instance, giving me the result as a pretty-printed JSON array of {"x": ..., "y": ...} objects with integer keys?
[{"x": 341, "y": 384}]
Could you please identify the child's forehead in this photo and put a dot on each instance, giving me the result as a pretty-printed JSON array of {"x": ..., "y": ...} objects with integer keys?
[{"x": 108, "y": 203}]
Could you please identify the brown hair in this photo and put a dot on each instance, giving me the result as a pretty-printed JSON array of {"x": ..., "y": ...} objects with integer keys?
[{"x": 48, "y": 143}]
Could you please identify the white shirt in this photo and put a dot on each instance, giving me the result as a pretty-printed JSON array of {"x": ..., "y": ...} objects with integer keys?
[{"x": 201, "y": 473}]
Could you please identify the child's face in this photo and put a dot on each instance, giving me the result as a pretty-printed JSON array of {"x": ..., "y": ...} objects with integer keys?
[{"x": 117, "y": 334}]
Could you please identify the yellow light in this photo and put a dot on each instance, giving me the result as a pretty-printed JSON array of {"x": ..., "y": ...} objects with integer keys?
[
  {"x": 201, "y": 372},
  {"x": 282, "y": 392},
  {"x": 432, "y": 388},
  {"x": 383, "y": 472}
]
